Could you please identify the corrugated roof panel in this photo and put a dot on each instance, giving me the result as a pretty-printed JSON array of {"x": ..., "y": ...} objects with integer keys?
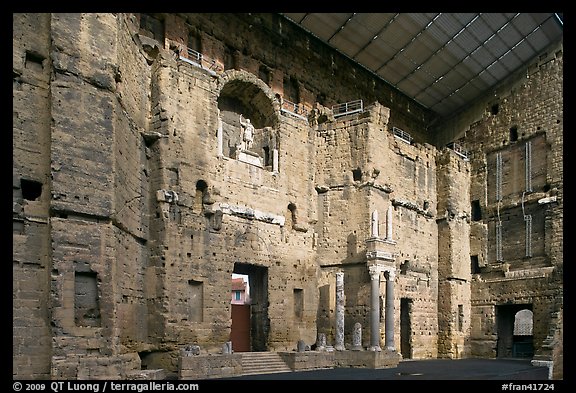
[
  {"x": 438, "y": 33},
  {"x": 418, "y": 52},
  {"x": 552, "y": 29},
  {"x": 455, "y": 50},
  {"x": 410, "y": 86},
  {"x": 524, "y": 52},
  {"x": 423, "y": 78},
  {"x": 480, "y": 29},
  {"x": 410, "y": 25},
  {"x": 392, "y": 76},
  {"x": 467, "y": 41},
  {"x": 486, "y": 77},
  {"x": 510, "y": 60},
  {"x": 430, "y": 41},
  {"x": 496, "y": 46},
  {"x": 525, "y": 23},
  {"x": 424, "y": 18},
  {"x": 495, "y": 21},
  {"x": 396, "y": 36},
  {"x": 374, "y": 22},
  {"x": 454, "y": 80},
  {"x": 324, "y": 25},
  {"x": 538, "y": 40},
  {"x": 510, "y": 35},
  {"x": 401, "y": 65},
  {"x": 438, "y": 66},
  {"x": 452, "y": 23},
  {"x": 437, "y": 57},
  {"x": 464, "y": 71},
  {"x": 472, "y": 64},
  {"x": 483, "y": 57},
  {"x": 376, "y": 54},
  {"x": 498, "y": 70},
  {"x": 352, "y": 38}
]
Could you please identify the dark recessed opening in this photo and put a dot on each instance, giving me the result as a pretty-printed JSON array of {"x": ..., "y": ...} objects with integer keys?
[
  {"x": 31, "y": 189},
  {"x": 474, "y": 265},
  {"x": 34, "y": 60},
  {"x": 404, "y": 267},
  {"x": 266, "y": 156},
  {"x": 494, "y": 109},
  {"x": 476, "y": 210},
  {"x": 357, "y": 174},
  {"x": 513, "y": 134}
]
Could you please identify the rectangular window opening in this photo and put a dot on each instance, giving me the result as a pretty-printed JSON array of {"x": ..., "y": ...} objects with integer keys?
[{"x": 86, "y": 302}]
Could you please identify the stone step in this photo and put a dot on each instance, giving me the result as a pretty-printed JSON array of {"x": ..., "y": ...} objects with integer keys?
[{"x": 263, "y": 363}]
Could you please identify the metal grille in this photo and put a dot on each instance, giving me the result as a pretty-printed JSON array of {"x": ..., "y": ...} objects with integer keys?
[
  {"x": 528, "y": 222},
  {"x": 528, "y": 160},
  {"x": 499, "y": 241},
  {"x": 499, "y": 176}
]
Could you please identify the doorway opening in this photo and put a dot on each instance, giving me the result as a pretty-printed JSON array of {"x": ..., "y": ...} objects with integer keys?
[
  {"x": 515, "y": 337},
  {"x": 405, "y": 328},
  {"x": 249, "y": 311}
]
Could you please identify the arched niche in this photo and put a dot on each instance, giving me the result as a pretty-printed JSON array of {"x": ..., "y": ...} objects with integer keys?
[{"x": 244, "y": 98}]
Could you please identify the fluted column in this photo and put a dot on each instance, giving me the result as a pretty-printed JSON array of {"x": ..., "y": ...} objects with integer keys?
[
  {"x": 389, "y": 313},
  {"x": 375, "y": 308}
]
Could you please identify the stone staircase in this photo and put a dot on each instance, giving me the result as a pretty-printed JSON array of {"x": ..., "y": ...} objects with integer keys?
[{"x": 263, "y": 363}]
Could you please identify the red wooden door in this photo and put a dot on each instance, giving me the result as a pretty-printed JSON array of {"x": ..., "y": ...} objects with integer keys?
[{"x": 240, "y": 335}]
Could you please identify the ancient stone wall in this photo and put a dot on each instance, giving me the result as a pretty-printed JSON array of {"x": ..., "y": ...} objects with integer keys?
[
  {"x": 136, "y": 197},
  {"x": 516, "y": 185},
  {"x": 31, "y": 255},
  {"x": 454, "y": 278}
]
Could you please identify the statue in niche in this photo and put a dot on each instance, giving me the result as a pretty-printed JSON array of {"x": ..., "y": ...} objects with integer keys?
[{"x": 248, "y": 133}]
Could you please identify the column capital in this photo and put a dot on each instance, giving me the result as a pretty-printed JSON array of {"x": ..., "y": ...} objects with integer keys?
[
  {"x": 390, "y": 274},
  {"x": 375, "y": 271}
]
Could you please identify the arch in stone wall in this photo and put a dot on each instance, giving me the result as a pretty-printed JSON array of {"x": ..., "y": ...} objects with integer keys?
[
  {"x": 242, "y": 97},
  {"x": 250, "y": 94}
]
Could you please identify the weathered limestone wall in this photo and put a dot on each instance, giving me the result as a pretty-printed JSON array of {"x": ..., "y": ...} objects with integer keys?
[
  {"x": 134, "y": 203},
  {"x": 525, "y": 110},
  {"x": 31, "y": 253},
  {"x": 453, "y": 255},
  {"x": 363, "y": 167},
  {"x": 413, "y": 179},
  {"x": 98, "y": 234},
  {"x": 270, "y": 42},
  {"x": 221, "y": 223}
]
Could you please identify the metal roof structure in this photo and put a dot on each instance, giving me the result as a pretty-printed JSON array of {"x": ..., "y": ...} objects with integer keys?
[{"x": 441, "y": 60}]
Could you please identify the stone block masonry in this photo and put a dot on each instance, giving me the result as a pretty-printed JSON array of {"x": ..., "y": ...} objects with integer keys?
[{"x": 135, "y": 199}]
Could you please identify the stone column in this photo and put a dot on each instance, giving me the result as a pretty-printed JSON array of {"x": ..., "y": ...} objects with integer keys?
[
  {"x": 389, "y": 316},
  {"x": 339, "y": 312},
  {"x": 374, "y": 230},
  {"x": 275, "y": 160},
  {"x": 321, "y": 344},
  {"x": 389, "y": 223},
  {"x": 357, "y": 337},
  {"x": 375, "y": 308}
]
